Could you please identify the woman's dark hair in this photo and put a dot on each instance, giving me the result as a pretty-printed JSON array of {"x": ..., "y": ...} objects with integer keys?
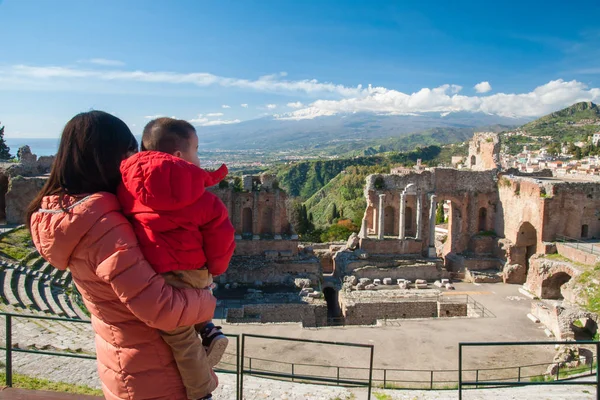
[{"x": 89, "y": 156}]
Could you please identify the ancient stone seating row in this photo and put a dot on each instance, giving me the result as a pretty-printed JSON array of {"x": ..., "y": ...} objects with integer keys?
[{"x": 38, "y": 288}]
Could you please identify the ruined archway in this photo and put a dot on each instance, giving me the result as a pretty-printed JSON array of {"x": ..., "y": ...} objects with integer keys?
[
  {"x": 584, "y": 231},
  {"x": 266, "y": 226},
  {"x": 473, "y": 160},
  {"x": 408, "y": 221},
  {"x": 527, "y": 239},
  {"x": 390, "y": 221},
  {"x": 482, "y": 222},
  {"x": 552, "y": 286},
  {"x": 333, "y": 305},
  {"x": 584, "y": 329},
  {"x": 247, "y": 220}
]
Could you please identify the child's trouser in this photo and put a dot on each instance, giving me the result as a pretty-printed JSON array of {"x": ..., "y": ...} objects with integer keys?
[{"x": 190, "y": 356}]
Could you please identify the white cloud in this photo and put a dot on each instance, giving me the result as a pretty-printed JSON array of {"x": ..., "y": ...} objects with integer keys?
[
  {"x": 201, "y": 120},
  {"x": 297, "y": 104},
  {"x": 215, "y": 114},
  {"x": 542, "y": 100},
  {"x": 154, "y": 116},
  {"x": 271, "y": 106},
  {"x": 105, "y": 62},
  {"x": 245, "y": 105},
  {"x": 225, "y": 106},
  {"x": 483, "y": 87},
  {"x": 267, "y": 83}
]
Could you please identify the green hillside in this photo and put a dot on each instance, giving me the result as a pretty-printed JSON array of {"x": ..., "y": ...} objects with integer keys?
[
  {"x": 305, "y": 178},
  {"x": 346, "y": 192},
  {"x": 572, "y": 124}
]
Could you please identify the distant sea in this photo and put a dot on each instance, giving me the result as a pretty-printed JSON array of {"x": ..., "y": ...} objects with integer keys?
[{"x": 40, "y": 147}]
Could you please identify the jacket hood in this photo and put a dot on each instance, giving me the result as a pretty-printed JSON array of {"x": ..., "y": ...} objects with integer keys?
[
  {"x": 56, "y": 232},
  {"x": 161, "y": 181}
]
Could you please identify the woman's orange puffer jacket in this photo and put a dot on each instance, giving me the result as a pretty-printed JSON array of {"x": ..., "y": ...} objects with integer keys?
[{"x": 127, "y": 299}]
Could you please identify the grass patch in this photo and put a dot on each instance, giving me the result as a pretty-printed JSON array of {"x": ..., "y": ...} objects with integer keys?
[
  {"x": 27, "y": 382},
  {"x": 382, "y": 396},
  {"x": 16, "y": 244}
]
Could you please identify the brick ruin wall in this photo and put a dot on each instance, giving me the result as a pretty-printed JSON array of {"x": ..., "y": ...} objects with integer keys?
[
  {"x": 366, "y": 269},
  {"x": 484, "y": 151},
  {"x": 309, "y": 314},
  {"x": 559, "y": 318},
  {"x": 249, "y": 270},
  {"x": 576, "y": 255},
  {"x": 543, "y": 274}
]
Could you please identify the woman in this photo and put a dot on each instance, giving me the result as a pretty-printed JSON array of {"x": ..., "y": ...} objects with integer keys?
[{"x": 76, "y": 223}]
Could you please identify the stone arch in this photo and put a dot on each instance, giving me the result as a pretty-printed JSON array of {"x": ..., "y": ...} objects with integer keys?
[
  {"x": 457, "y": 238},
  {"x": 552, "y": 285},
  {"x": 266, "y": 226},
  {"x": 473, "y": 160},
  {"x": 584, "y": 328},
  {"x": 482, "y": 220},
  {"x": 527, "y": 238},
  {"x": 390, "y": 222},
  {"x": 247, "y": 220}
]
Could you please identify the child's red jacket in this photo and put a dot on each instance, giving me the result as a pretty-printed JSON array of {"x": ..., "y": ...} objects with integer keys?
[{"x": 179, "y": 224}]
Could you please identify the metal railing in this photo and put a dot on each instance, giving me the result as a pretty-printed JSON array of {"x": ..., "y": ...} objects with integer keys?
[
  {"x": 306, "y": 377},
  {"x": 587, "y": 246},
  {"x": 510, "y": 382}
]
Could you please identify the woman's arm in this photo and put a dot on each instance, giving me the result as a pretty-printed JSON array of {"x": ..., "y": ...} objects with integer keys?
[{"x": 121, "y": 264}]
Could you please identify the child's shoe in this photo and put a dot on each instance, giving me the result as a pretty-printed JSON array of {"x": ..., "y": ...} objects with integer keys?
[{"x": 215, "y": 343}]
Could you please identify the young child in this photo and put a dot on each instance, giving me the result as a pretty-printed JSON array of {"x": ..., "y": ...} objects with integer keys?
[{"x": 184, "y": 232}]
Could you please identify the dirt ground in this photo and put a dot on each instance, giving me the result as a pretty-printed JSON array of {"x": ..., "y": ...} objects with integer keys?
[{"x": 419, "y": 344}]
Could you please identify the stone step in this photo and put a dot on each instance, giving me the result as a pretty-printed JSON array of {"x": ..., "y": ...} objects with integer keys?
[
  {"x": 52, "y": 304},
  {"x": 64, "y": 304},
  {"x": 38, "y": 298},
  {"x": 78, "y": 310},
  {"x": 38, "y": 264},
  {"x": 23, "y": 279},
  {"x": 8, "y": 290}
]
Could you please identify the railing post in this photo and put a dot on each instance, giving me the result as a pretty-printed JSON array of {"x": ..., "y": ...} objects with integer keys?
[
  {"x": 477, "y": 379},
  {"x": 371, "y": 371},
  {"x": 597, "y": 370},
  {"x": 250, "y": 366},
  {"x": 238, "y": 396},
  {"x": 338, "y": 377},
  {"x": 292, "y": 372},
  {"x": 519, "y": 378},
  {"x": 460, "y": 371},
  {"x": 557, "y": 371},
  {"x": 431, "y": 381},
  {"x": 242, "y": 370},
  {"x": 8, "y": 350},
  {"x": 384, "y": 378}
]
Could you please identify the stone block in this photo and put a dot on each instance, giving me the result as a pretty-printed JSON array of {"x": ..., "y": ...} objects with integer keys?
[
  {"x": 286, "y": 254},
  {"x": 421, "y": 281},
  {"x": 444, "y": 281},
  {"x": 420, "y": 286},
  {"x": 514, "y": 273},
  {"x": 438, "y": 284},
  {"x": 314, "y": 295},
  {"x": 365, "y": 281},
  {"x": 370, "y": 287},
  {"x": 449, "y": 286},
  {"x": 301, "y": 282},
  {"x": 376, "y": 281},
  {"x": 353, "y": 242},
  {"x": 403, "y": 285},
  {"x": 271, "y": 254},
  {"x": 387, "y": 281}
]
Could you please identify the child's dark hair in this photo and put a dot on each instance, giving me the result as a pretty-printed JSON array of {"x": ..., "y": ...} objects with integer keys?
[{"x": 167, "y": 135}]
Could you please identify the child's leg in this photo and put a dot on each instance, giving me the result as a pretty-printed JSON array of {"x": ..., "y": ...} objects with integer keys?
[
  {"x": 197, "y": 376},
  {"x": 213, "y": 340},
  {"x": 190, "y": 356}
]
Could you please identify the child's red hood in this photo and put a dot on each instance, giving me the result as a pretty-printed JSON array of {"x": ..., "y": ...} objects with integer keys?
[{"x": 161, "y": 181}]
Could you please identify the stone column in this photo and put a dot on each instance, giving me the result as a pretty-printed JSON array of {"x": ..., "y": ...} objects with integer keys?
[
  {"x": 419, "y": 216},
  {"x": 276, "y": 223},
  {"x": 432, "y": 213},
  {"x": 401, "y": 221},
  {"x": 363, "y": 229},
  {"x": 381, "y": 217},
  {"x": 255, "y": 218}
]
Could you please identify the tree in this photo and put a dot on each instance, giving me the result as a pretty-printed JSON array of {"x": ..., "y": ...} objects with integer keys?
[
  {"x": 4, "y": 149},
  {"x": 439, "y": 214}
]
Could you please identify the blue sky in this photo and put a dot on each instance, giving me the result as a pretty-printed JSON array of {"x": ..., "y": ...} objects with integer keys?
[{"x": 293, "y": 59}]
